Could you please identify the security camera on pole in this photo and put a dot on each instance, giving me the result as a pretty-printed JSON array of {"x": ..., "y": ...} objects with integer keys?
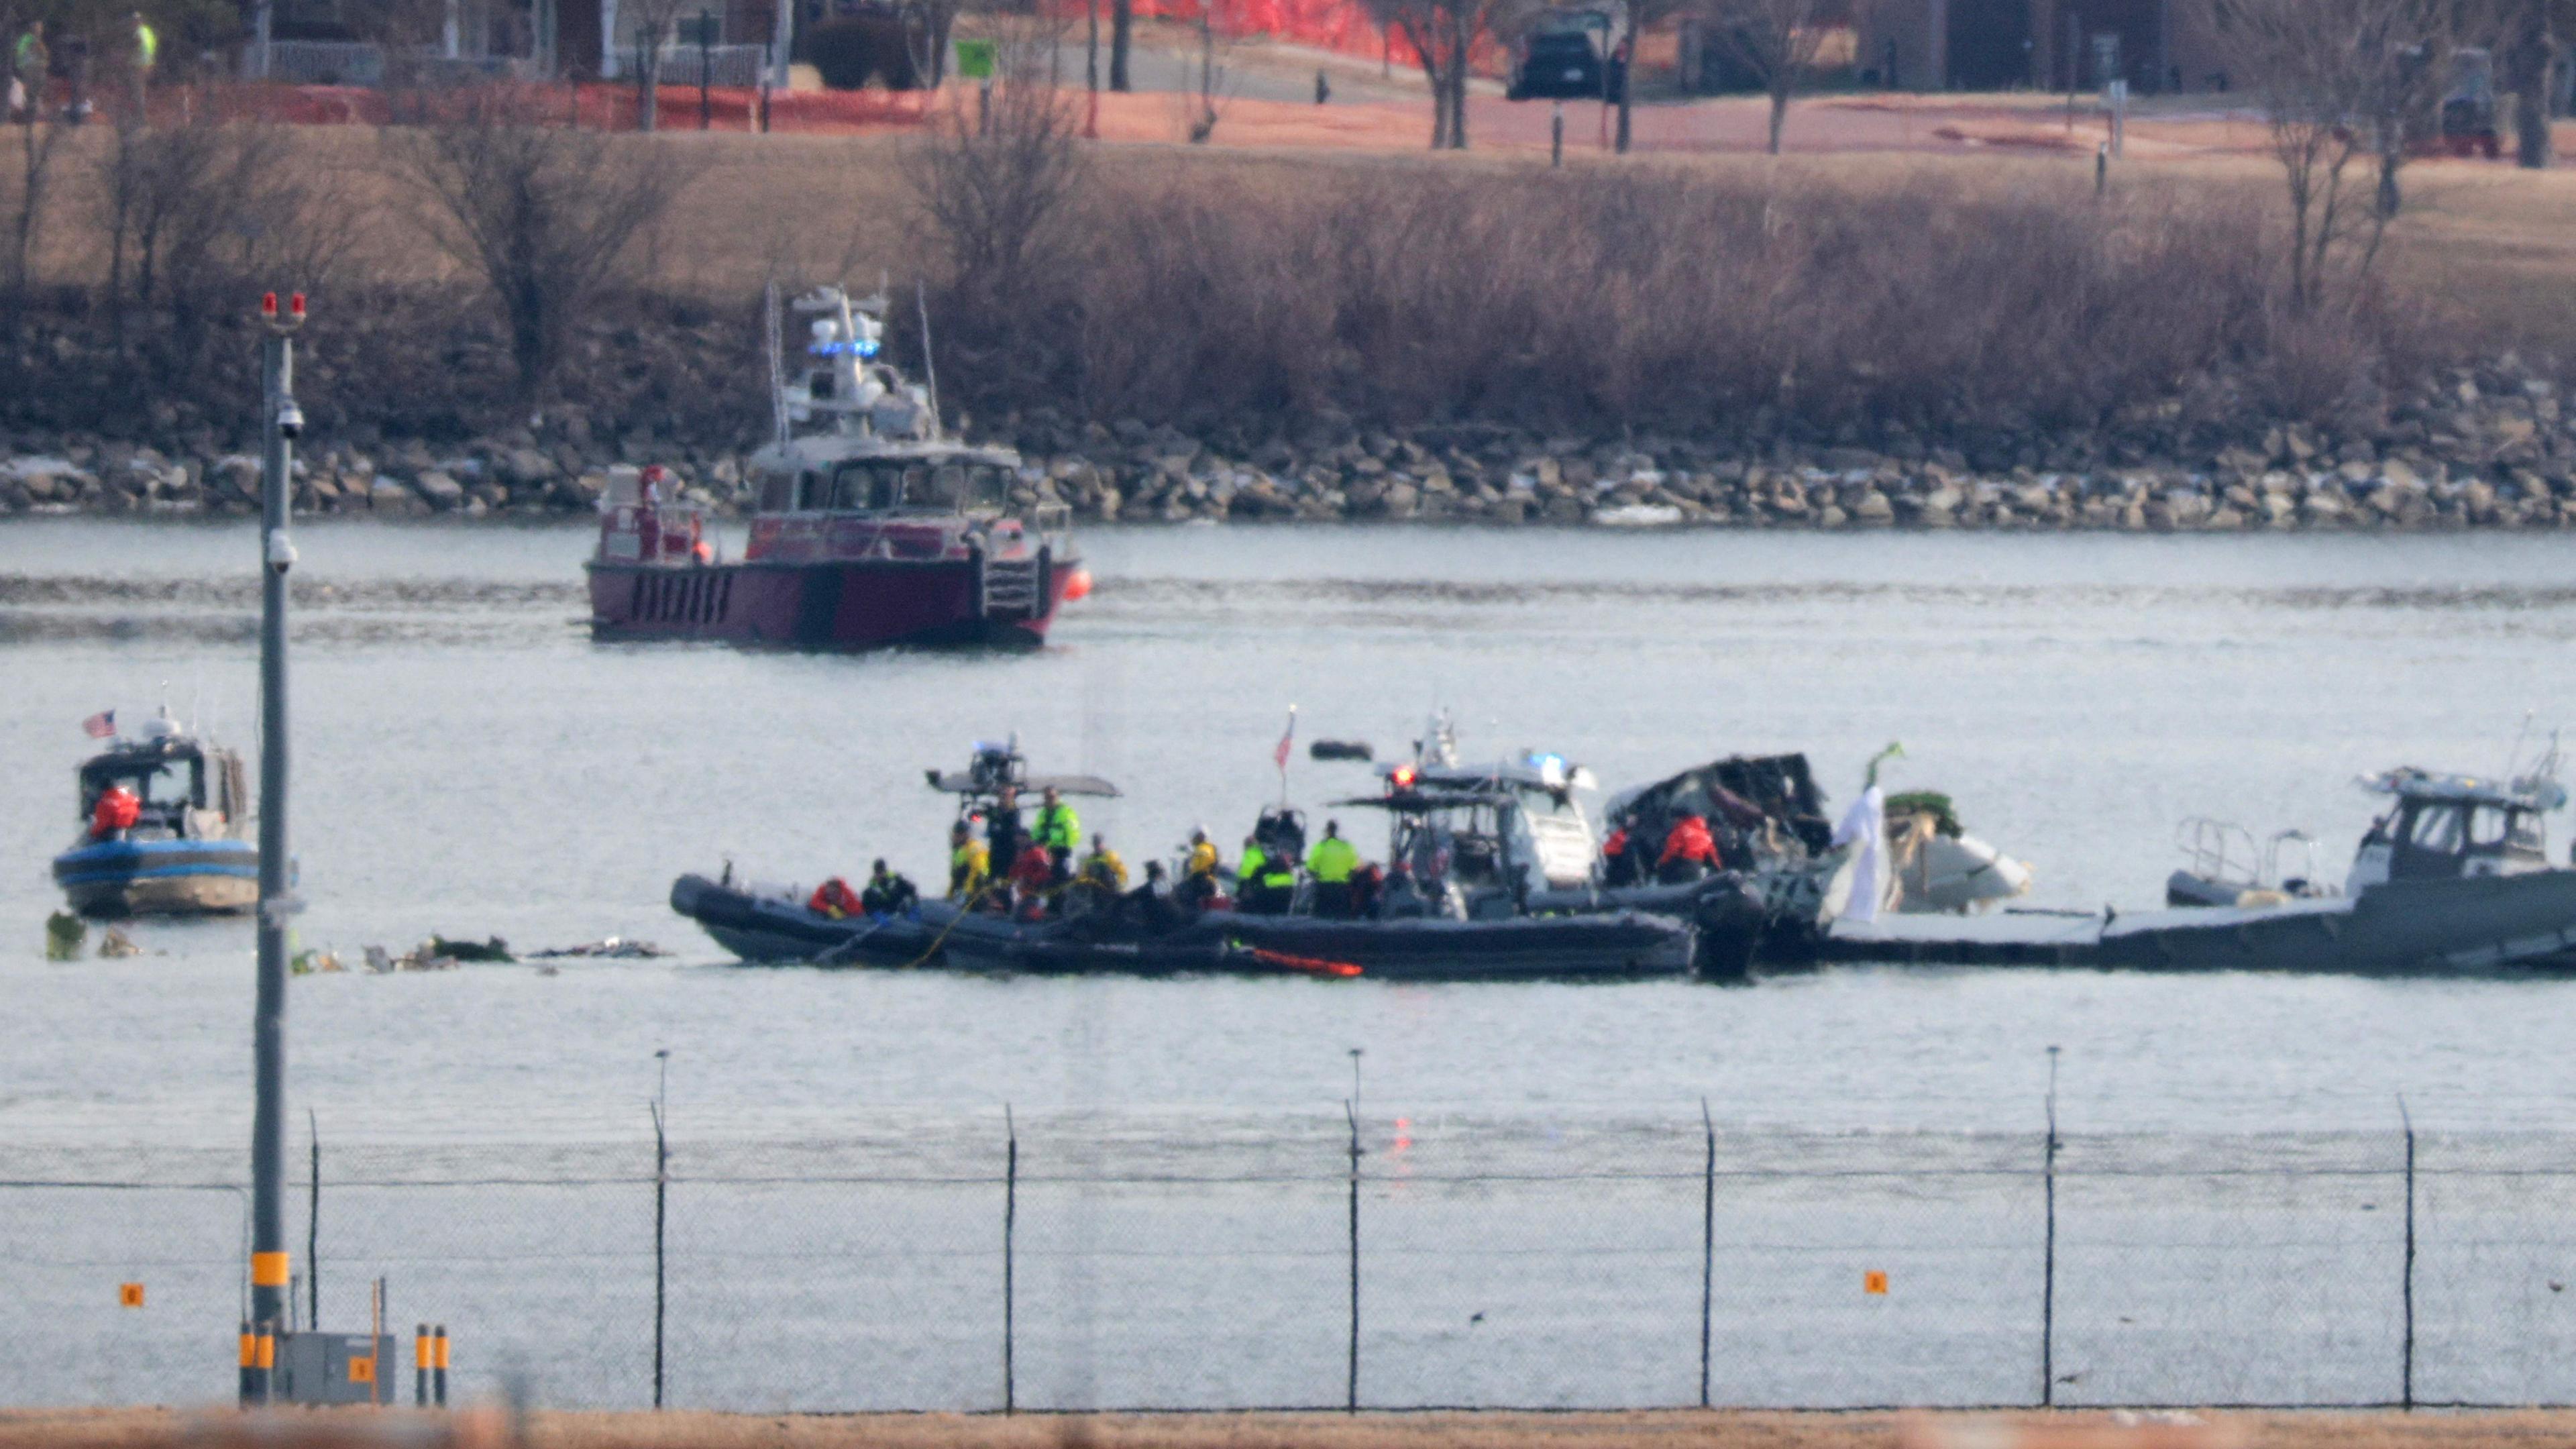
[{"x": 281, "y": 421}]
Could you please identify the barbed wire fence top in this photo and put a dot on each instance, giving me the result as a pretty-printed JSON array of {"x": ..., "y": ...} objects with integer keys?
[{"x": 1078, "y": 1261}]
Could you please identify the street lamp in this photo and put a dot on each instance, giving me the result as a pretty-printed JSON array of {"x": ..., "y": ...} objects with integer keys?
[{"x": 281, "y": 422}]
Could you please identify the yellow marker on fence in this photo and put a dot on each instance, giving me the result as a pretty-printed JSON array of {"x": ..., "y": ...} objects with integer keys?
[
  {"x": 130, "y": 1294},
  {"x": 1874, "y": 1282}
]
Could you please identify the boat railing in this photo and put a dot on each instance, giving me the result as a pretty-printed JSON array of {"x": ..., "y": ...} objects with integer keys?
[
  {"x": 2303, "y": 866},
  {"x": 654, "y": 533},
  {"x": 2220, "y": 851}
]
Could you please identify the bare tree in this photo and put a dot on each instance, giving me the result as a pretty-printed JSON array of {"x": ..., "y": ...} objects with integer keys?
[
  {"x": 199, "y": 213},
  {"x": 172, "y": 194},
  {"x": 1122, "y": 37},
  {"x": 2340, "y": 82},
  {"x": 655, "y": 22},
  {"x": 35, "y": 149},
  {"x": 928, "y": 26},
  {"x": 993, "y": 189},
  {"x": 1643, "y": 15},
  {"x": 1778, "y": 41},
  {"x": 545, "y": 216},
  {"x": 1446, "y": 35},
  {"x": 2528, "y": 52},
  {"x": 1215, "y": 93}
]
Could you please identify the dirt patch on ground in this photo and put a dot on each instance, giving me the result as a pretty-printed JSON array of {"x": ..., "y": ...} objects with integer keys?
[{"x": 147, "y": 1428}]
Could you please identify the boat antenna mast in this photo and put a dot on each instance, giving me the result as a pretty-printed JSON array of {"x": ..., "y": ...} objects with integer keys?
[
  {"x": 2543, "y": 771},
  {"x": 929, "y": 368},
  {"x": 776, "y": 330}
]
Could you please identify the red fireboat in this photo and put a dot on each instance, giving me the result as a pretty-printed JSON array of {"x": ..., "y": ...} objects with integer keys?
[{"x": 873, "y": 527}]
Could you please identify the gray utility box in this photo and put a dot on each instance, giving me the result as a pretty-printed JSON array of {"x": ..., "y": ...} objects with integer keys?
[{"x": 335, "y": 1368}]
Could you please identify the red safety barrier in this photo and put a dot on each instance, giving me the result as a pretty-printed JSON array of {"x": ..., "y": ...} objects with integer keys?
[
  {"x": 595, "y": 105},
  {"x": 1337, "y": 25}
]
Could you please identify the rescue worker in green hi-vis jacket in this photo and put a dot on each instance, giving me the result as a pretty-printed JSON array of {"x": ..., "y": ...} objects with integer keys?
[{"x": 1331, "y": 863}]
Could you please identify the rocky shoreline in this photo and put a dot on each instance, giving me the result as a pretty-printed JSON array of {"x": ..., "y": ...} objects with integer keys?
[{"x": 2479, "y": 448}]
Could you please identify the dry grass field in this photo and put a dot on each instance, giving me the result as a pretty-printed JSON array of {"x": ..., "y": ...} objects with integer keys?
[
  {"x": 1939, "y": 287},
  {"x": 2496, "y": 241},
  {"x": 163, "y": 1429}
]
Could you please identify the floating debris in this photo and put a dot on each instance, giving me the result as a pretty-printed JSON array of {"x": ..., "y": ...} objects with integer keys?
[
  {"x": 419, "y": 958},
  {"x": 64, "y": 933},
  {"x": 116, "y": 943},
  {"x": 613, "y": 948},
  {"x": 494, "y": 949},
  {"x": 311, "y": 961}
]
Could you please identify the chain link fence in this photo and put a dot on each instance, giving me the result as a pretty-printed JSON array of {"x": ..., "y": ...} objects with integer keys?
[{"x": 1137, "y": 1262}]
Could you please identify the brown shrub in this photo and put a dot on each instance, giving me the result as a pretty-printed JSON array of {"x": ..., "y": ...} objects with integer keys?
[{"x": 1668, "y": 299}]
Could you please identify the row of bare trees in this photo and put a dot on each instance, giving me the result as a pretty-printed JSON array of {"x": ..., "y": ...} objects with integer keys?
[
  {"x": 1776, "y": 41},
  {"x": 165, "y": 229},
  {"x": 180, "y": 220},
  {"x": 2352, "y": 90}
]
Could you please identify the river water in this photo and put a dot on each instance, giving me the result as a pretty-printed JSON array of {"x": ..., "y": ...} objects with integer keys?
[{"x": 468, "y": 762}]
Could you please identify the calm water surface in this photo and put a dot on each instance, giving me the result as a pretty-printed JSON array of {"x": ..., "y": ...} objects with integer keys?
[{"x": 468, "y": 762}]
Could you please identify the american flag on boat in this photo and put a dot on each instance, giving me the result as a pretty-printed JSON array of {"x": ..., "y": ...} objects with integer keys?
[
  {"x": 100, "y": 726},
  {"x": 1287, "y": 741}
]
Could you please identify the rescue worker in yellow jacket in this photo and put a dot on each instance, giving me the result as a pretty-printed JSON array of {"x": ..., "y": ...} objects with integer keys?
[
  {"x": 970, "y": 864},
  {"x": 1059, "y": 830},
  {"x": 1198, "y": 875},
  {"x": 1102, "y": 869},
  {"x": 1331, "y": 863}
]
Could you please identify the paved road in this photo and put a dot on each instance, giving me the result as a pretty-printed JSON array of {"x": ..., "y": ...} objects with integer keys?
[{"x": 1252, "y": 70}]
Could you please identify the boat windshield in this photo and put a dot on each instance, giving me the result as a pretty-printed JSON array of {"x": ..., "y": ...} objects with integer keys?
[
  {"x": 1465, "y": 845},
  {"x": 2436, "y": 828},
  {"x": 882, "y": 485},
  {"x": 162, "y": 785}
]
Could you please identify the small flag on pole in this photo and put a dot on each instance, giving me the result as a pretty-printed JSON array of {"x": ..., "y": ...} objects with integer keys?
[
  {"x": 100, "y": 726},
  {"x": 1287, "y": 741}
]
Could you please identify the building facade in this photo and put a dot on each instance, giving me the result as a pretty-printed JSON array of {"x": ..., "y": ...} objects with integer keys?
[{"x": 2157, "y": 46}]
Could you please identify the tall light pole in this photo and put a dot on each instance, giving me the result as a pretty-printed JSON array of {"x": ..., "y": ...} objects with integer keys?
[{"x": 280, "y": 422}]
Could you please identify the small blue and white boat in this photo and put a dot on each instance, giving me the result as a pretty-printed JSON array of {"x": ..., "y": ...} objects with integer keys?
[{"x": 184, "y": 852}]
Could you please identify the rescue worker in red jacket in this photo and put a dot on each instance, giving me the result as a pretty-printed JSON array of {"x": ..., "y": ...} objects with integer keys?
[
  {"x": 1690, "y": 852},
  {"x": 835, "y": 899},
  {"x": 1619, "y": 859},
  {"x": 118, "y": 809},
  {"x": 1031, "y": 876}
]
